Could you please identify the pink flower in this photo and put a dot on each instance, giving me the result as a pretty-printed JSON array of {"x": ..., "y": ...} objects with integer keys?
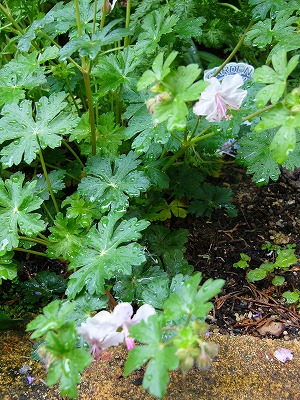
[
  {"x": 219, "y": 97},
  {"x": 283, "y": 355},
  {"x": 103, "y": 330}
]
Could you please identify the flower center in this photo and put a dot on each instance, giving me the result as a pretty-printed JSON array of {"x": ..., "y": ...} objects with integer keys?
[{"x": 221, "y": 106}]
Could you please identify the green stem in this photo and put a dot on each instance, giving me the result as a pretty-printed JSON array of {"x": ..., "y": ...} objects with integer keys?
[
  {"x": 104, "y": 11},
  {"x": 200, "y": 134},
  {"x": 179, "y": 153},
  {"x": 87, "y": 84},
  {"x": 48, "y": 212},
  {"x": 202, "y": 137},
  {"x": 73, "y": 152},
  {"x": 59, "y": 168},
  {"x": 59, "y": 47},
  {"x": 37, "y": 253},
  {"x": 72, "y": 95},
  {"x": 94, "y": 17},
  {"x": 112, "y": 50},
  {"x": 177, "y": 137},
  {"x": 43, "y": 237},
  {"x": 235, "y": 50},
  {"x": 127, "y": 22},
  {"x": 48, "y": 180},
  {"x": 196, "y": 126},
  {"x": 186, "y": 145},
  {"x": 259, "y": 112},
  {"x": 78, "y": 22},
  {"x": 230, "y": 6},
  {"x": 8, "y": 15},
  {"x": 34, "y": 240}
]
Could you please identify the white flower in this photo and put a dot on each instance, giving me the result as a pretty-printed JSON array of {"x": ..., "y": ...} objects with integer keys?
[
  {"x": 218, "y": 97},
  {"x": 101, "y": 331},
  {"x": 283, "y": 355}
]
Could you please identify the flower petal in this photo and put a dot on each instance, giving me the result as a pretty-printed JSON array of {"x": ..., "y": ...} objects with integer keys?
[
  {"x": 122, "y": 313},
  {"x": 143, "y": 313},
  {"x": 283, "y": 355}
]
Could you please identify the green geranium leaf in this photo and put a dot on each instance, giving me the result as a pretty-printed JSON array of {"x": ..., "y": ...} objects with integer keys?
[
  {"x": 8, "y": 266},
  {"x": 16, "y": 205},
  {"x": 141, "y": 126},
  {"x": 275, "y": 78},
  {"x": 66, "y": 238},
  {"x": 54, "y": 316},
  {"x": 85, "y": 305},
  {"x": 149, "y": 285},
  {"x": 27, "y": 135},
  {"x": 116, "y": 70},
  {"x": 69, "y": 361},
  {"x": 111, "y": 187},
  {"x": 160, "y": 240},
  {"x": 91, "y": 46},
  {"x": 107, "y": 251},
  {"x": 81, "y": 209},
  {"x": 162, "y": 357},
  {"x": 283, "y": 143},
  {"x": 21, "y": 73},
  {"x": 259, "y": 162},
  {"x": 56, "y": 180},
  {"x": 47, "y": 284},
  {"x": 109, "y": 135},
  {"x": 156, "y": 24},
  {"x": 182, "y": 88},
  {"x": 192, "y": 300},
  {"x": 210, "y": 198},
  {"x": 160, "y": 70}
]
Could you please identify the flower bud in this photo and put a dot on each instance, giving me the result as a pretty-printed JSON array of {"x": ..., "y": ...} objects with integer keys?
[
  {"x": 211, "y": 348},
  {"x": 107, "y": 7},
  {"x": 203, "y": 360},
  {"x": 186, "y": 364}
]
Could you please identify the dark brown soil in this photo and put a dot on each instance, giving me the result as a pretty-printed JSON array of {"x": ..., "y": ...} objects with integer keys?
[{"x": 266, "y": 214}]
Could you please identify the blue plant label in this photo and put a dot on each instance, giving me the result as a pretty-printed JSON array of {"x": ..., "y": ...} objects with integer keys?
[{"x": 245, "y": 70}]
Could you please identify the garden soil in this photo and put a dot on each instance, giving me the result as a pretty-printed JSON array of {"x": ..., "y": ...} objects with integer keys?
[{"x": 249, "y": 322}]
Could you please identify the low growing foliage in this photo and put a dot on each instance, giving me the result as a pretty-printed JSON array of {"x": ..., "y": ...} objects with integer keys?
[{"x": 109, "y": 126}]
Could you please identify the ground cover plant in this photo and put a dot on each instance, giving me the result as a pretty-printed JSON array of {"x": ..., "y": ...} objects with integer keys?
[{"x": 108, "y": 128}]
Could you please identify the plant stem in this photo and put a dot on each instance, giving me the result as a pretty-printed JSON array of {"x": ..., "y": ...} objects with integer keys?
[
  {"x": 37, "y": 253},
  {"x": 87, "y": 84},
  {"x": 179, "y": 153},
  {"x": 198, "y": 138},
  {"x": 85, "y": 69},
  {"x": 94, "y": 17},
  {"x": 230, "y": 6},
  {"x": 73, "y": 152},
  {"x": 187, "y": 145},
  {"x": 235, "y": 50},
  {"x": 48, "y": 212},
  {"x": 8, "y": 15},
  {"x": 48, "y": 180},
  {"x": 34, "y": 240},
  {"x": 127, "y": 22},
  {"x": 78, "y": 22},
  {"x": 59, "y": 47},
  {"x": 43, "y": 237},
  {"x": 112, "y": 50},
  {"x": 103, "y": 14},
  {"x": 72, "y": 95},
  {"x": 258, "y": 112}
]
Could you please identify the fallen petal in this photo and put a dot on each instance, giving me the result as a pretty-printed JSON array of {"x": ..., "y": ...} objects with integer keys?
[{"x": 283, "y": 355}]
